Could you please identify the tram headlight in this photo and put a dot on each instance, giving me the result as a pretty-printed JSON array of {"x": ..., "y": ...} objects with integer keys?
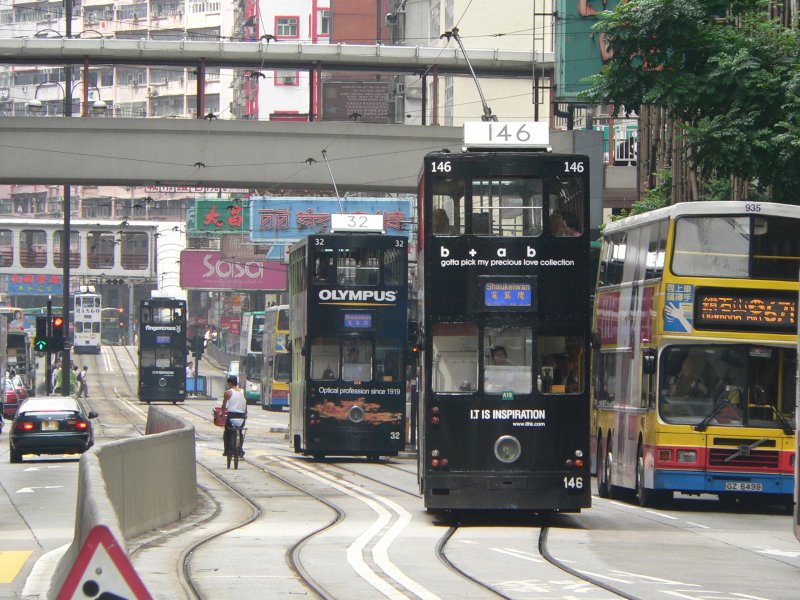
[
  {"x": 356, "y": 414},
  {"x": 507, "y": 449},
  {"x": 162, "y": 382}
]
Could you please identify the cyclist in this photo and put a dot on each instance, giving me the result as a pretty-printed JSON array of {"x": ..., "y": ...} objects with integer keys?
[{"x": 235, "y": 405}]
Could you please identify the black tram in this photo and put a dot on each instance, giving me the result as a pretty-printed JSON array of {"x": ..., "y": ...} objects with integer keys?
[
  {"x": 162, "y": 350},
  {"x": 348, "y": 339},
  {"x": 505, "y": 289}
]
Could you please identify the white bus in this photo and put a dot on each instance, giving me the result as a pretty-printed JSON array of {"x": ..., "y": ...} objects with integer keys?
[{"x": 88, "y": 311}]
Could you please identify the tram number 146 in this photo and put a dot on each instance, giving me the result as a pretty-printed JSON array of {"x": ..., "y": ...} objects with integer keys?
[{"x": 573, "y": 483}]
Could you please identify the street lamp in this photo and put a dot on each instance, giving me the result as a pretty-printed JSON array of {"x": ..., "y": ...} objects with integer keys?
[{"x": 35, "y": 106}]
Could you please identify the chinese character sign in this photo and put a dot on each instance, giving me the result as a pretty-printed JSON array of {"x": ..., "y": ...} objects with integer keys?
[
  {"x": 286, "y": 220},
  {"x": 221, "y": 216},
  {"x": 34, "y": 284}
]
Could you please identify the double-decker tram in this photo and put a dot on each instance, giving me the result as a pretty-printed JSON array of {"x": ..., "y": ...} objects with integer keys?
[
  {"x": 276, "y": 366},
  {"x": 505, "y": 290},
  {"x": 162, "y": 350},
  {"x": 348, "y": 337},
  {"x": 695, "y": 356},
  {"x": 87, "y": 321},
  {"x": 251, "y": 336}
]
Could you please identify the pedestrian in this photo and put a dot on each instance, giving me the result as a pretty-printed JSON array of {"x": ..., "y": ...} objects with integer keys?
[
  {"x": 190, "y": 378},
  {"x": 55, "y": 376},
  {"x": 83, "y": 387}
]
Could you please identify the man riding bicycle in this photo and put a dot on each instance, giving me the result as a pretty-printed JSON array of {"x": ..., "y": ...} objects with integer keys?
[{"x": 234, "y": 405}]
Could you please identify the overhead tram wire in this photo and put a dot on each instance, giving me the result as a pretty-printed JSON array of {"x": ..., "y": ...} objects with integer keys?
[{"x": 487, "y": 112}]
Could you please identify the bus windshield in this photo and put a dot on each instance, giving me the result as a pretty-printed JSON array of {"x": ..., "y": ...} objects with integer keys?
[
  {"x": 763, "y": 247},
  {"x": 755, "y": 383}
]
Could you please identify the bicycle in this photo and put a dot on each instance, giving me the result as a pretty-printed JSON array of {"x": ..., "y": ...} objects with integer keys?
[{"x": 235, "y": 440}]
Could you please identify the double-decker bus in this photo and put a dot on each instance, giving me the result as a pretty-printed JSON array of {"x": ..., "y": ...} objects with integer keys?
[
  {"x": 505, "y": 290},
  {"x": 348, "y": 335},
  {"x": 87, "y": 321},
  {"x": 251, "y": 337},
  {"x": 695, "y": 353},
  {"x": 162, "y": 350},
  {"x": 277, "y": 364}
]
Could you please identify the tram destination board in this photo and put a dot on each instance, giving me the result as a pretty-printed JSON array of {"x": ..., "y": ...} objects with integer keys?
[{"x": 769, "y": 311}]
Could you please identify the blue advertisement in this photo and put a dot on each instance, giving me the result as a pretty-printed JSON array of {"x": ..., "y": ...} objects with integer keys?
[
  {"x": 678, "y": 307},
  {"x": 278, "y": 220},
  {"x": 34, "y": 285}
]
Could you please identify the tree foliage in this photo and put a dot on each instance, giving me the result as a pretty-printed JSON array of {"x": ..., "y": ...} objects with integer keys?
[{"x": 734, "y": 83}]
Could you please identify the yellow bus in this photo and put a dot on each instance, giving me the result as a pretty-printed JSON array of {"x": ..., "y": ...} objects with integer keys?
[
  {"x": 694, "y": 360},
  {"x": 276, "y": 368}
]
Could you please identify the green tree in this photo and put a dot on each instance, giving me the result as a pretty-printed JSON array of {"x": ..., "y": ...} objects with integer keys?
[{"x": 732, "y": 83}]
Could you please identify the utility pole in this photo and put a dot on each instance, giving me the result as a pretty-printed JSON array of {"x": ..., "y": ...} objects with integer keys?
[{"x": 66, "y": 363}]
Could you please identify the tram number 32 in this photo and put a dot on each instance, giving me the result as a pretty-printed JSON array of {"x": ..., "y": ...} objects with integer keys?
[{"x": 573, "y": 483}]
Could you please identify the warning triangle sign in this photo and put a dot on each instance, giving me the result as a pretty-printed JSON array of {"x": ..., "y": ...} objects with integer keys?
[{"x": 103, "y": 571}]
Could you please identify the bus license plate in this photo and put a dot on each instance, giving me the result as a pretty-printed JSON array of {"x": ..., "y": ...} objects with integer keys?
[
  {"x": 50, "y": 425},
  {"x": 742, "y": 486}
]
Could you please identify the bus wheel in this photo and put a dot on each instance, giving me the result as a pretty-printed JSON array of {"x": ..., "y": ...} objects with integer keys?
[
  {"x": 604, "y": 470},
  {"x": 645, "y": 496}
]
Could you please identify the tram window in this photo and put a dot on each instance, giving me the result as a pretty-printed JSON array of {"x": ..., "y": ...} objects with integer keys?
[
  {"x": 74, "y": 249},
  {"x": 325, "y": 268},
  {"x": 163, "y": 358},
  {"x": 565, "y": 197},
  {"x": 78, "y": 327},
  {"x": 507, "y": 355},
  {"x": 388, "y": 360},
  {"x": 394, "y": 262},
  {"x": 560, "y": 365},
  {"x": 448, "y": 207},
  {"x": 325, "y": 358},
  {"x": 96, "y": 327},
  {"x": 134, "y": 250},
  {"x": 509, "y": 207},
  {"x": 33, "y": 248},
  {"x": 358, "y": 266},
  {"x": 455, "y": 357},
  {"x": 357, "y": 361},
  {"x": 6, "y": 248}
]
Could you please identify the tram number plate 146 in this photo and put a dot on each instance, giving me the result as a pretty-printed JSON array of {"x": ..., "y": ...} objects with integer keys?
[{"x": 742, "y": 486}]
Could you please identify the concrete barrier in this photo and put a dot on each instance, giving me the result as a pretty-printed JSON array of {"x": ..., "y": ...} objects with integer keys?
[{"x": 133, "y": 486}]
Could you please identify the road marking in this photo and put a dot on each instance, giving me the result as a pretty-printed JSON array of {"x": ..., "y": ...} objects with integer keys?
[
  {"x": 30, "y": 490},
  {"x": 11, "y": 562},
  {"x": 771, "y": 552},
  {"x": 658, "y": 514},
  {"x": 518, "y": 554},
  {"x": 698, "y": 525}
]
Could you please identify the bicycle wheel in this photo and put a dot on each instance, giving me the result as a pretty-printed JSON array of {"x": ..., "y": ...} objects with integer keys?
[
  {"x": 237, "y": 446},
  {"x": 228, "y": 445}
]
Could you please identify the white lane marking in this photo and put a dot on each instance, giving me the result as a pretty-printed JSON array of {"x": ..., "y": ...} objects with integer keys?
[
  {"x": 106, "y": 359},
  {"x": 698, "y": 525},
  {"x": 658, "y": 514},
  {"x": 380, "y": 552},
  {"x": 30, "y": 490},
  {"x": 771, "y": 552},
  {"x": 518, "y": 554},
  {"x": 654, "y": 579}
]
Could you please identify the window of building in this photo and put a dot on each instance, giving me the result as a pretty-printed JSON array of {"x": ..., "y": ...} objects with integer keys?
[
  {"x": 134, "y": 251},
  {"x": 74, "y": 249},
  {"x": 100, "y": 249},
  {"x": 6, "y": 248},
  {"x": 286, "y": 77},
  {"x": 287, "y": 27},
  {"x": 33, "y": 248},
  {"x": 323, "y": 21}
]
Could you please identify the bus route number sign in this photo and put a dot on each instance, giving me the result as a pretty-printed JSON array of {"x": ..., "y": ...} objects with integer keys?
[{"x": 716, "y": 309}]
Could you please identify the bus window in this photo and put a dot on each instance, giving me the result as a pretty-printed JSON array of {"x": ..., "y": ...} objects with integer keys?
[
  {"x": 507, "y": 360},
  {"x": 448, "y": 207},
  {"x": 560, "y": 365},
  {"x": 455, "y": 357},
  {"x": 325, "y": 358},
  {"x": 281, "y": 367},
  {"x": 507, "y": 208},
  {"x": 357, "y": 363}
]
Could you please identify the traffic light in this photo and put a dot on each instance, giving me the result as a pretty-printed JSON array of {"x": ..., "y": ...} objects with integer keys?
[
  {"x": 56, "y": 334},
  {"x": 42, "y": 341},
  {"x": 198, "y": 346}
]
